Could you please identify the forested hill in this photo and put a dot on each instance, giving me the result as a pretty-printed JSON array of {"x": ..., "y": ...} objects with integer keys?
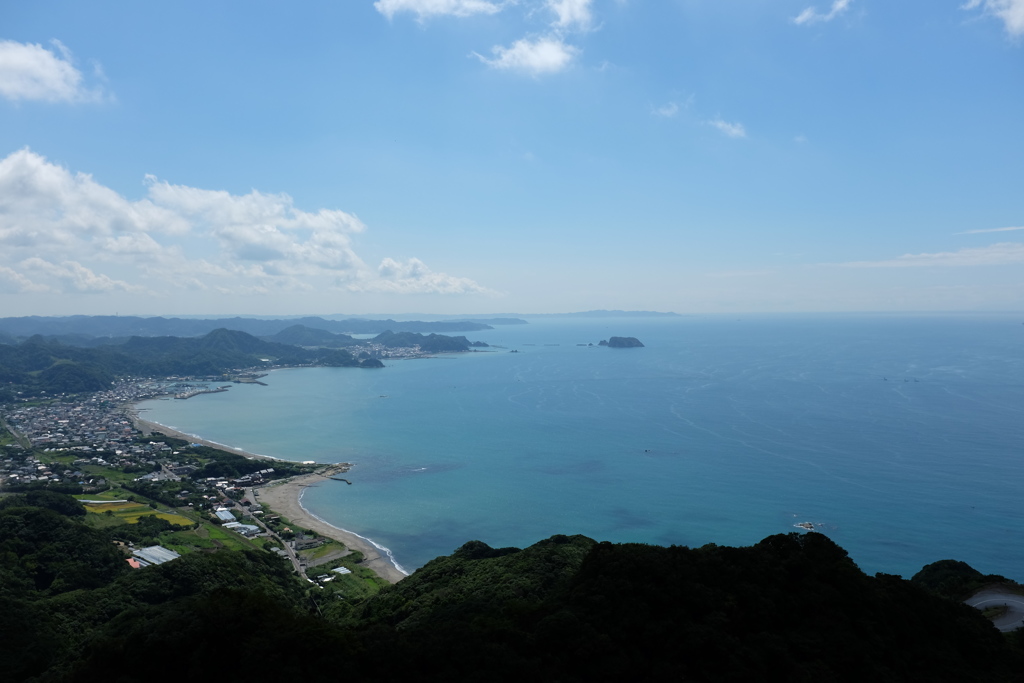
[
  {"x": 431, "y": 343},
  {"x": 129, "y": 326},
  {"x": 300, "y": 335},
  {"x": 790, "y": 608},
  {"x": 41, "y": 365}
]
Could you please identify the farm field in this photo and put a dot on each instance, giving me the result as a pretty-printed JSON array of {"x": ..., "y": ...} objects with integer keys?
[{"x": 130, "y": 512}]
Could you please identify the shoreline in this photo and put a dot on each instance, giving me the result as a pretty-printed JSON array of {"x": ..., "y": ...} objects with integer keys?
[
  {"x": 285, "y": 498},
  {"x": 147, "y": 427}
]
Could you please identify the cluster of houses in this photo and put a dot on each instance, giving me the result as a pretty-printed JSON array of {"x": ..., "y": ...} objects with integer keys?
[
  {"x": 64, "y": 424},
  {"x": 27, "y": 469},
  {"x": 94, "y": 426},
  {"x": 98, "y": 422}
]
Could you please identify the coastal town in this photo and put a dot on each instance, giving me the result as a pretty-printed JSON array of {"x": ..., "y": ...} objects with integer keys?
[
  {"x": 171, "y": 495},
  {"x": 104, "y": 427}
]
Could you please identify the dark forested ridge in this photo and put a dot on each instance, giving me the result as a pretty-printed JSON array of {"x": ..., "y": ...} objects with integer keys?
[{"x": 790, "y": 608}]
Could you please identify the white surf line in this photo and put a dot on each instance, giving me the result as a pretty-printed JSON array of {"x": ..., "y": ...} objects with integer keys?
[{"x": 378, "y": 546}]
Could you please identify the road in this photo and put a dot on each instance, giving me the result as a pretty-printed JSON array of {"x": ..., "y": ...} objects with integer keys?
[
  {"x": 18, "y": 437},
  {"x": 994, "y": 597},
  {"x": 296, "y": 563}
]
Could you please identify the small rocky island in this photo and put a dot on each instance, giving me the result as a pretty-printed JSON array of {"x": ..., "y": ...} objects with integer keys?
[{"x": 621, "y": 343}]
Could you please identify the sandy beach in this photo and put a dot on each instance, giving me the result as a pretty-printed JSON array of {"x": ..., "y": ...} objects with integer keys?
[
  {"x": 283, "y": 498},
  {"x": 147, "y": 428}
]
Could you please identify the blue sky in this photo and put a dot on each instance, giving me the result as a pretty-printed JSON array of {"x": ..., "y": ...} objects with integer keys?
[{"x": 461, "y": 156}]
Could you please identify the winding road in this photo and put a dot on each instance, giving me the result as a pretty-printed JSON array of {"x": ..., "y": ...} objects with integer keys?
[{"x": 994, "y": 597}]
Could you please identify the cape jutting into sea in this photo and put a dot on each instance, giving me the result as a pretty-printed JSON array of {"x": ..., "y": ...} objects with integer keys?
[{"x": 900, "y": 437}]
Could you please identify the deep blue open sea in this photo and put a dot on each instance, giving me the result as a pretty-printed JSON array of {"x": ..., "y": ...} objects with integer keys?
[{"x": 722, "y": 430}]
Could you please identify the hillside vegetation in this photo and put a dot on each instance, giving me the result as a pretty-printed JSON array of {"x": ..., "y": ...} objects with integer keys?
[{"x": 790, "y": 608}]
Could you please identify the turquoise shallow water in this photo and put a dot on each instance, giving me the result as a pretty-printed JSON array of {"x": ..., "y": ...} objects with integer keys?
[{"x": 721, "y": 430}]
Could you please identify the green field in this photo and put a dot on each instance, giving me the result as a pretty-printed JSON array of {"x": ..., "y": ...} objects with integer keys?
[
  {"x": 361, "y": 583},
  {"x": 109, "y": 494},
  {"x": 63, "y": 457},
  {"x": 322, "y": 551}
]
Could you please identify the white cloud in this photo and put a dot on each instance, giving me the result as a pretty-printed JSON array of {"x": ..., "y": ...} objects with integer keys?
[
  {"x": 1010, "y": 11},
  {"x": 571, "y": 13},
  {"x": 414, "y": 277},
  {"x": 74, "y": 273},
  {"x": 534, "y": 55},
  {"x": 57, "y": 229},
  {"x": 35, "y": 194},
  {"x": 13, "y": 281},
  {"x": 813, "y": 16},
  {"x": 426, "y": 8},
  {"x": 543, "y": 55},
  {"x": 978, "y": 232},
  {"x": 666, "y": 110},
  {"x": 265, "y": 228},
  {"x": 732, "y": 130},
  {"x": 1004, "y": 253},
  {"x": 28, "y": 71}
]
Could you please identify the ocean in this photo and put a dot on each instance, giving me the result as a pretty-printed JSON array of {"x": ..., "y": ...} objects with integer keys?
[{"x": 901, "y": 437}]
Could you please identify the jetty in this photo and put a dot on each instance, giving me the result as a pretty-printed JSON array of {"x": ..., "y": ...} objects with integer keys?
[{"x": 195, "y": 392}]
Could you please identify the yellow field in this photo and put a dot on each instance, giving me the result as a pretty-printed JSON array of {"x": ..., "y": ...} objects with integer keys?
[
  {"x": 131, "y": 512},
  {"x": 175, "y": 519}
]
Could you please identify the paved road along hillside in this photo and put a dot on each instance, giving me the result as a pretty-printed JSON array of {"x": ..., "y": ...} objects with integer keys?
[{"x": 993, "y": 597}]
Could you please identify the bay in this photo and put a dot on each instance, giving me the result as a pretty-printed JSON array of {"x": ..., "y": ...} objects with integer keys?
[{"x": 900, "y": 437}]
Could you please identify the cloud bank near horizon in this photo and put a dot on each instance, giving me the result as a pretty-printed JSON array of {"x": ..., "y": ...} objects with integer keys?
[
  {"x": 1004, "y": 253},
  {"x": 65, "y": 232}
]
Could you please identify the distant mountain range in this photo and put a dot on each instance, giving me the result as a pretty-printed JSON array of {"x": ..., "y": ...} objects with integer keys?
[
  {"x": 517, "y": 318},
  {"x": 605, "y": 314},
  {"x": 80, "y": 329},
  {"x": 134, "y": 326},
  {"x": 56, "y": 365}
]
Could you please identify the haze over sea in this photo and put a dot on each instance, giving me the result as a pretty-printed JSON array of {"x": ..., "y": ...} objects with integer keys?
[{"x": 722, "y": 430}]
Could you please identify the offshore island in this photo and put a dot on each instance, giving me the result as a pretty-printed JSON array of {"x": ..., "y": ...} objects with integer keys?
[{"x": 621, "y": 343}]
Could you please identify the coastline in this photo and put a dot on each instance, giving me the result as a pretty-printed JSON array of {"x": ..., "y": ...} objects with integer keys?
[
  {"x": 285, "y": 498},
  {"x": 147, "y": 427}
]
